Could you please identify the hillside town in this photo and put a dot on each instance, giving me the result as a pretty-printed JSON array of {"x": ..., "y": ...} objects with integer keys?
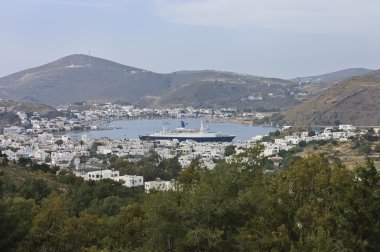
[
  {"x": 97, "y": 116},
  {"x": 45, "y": 141}
]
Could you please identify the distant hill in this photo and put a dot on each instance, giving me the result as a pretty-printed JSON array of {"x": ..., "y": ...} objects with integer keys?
[
  {"x": 9, "y": 109},
  {"x": 77, "y": 78},
  {"x": 29, "y": 107},
  {"x": 334, "y": 76},
  {"x": 218, "y": 89},
  {"x": 353, "y": 101}
]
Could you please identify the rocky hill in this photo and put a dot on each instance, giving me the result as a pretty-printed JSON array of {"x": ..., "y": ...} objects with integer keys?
[
  {"x": 333, "y": 77},
  {"x": 29, "y": 107},
  {"x": 353, "y": 101},
  {"x": 79, "y": 78},
  {"x": 9, "y": 108},
  {"x": 219, "y": 89}
]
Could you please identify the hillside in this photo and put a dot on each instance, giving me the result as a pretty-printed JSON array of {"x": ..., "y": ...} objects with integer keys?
[
  {"x": 334, "y": 76},
  {"x": 9, "y": 109},
  {"x": 353, "y": 101},
  {"x": 81, "y": 78},
  {"x": 234, "y": 207},
  {"x": 29, "y": 107},
  {"x": 78, "y": 78},
  {"x": 216, "y": 89}
]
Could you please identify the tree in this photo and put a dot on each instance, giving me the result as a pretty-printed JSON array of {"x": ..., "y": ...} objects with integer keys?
[
  {"x": 311, "y": 133},
  {"x": 15, "y": 221},
  {"x": 365, "y": 148},
  {"x": 163, "y": 228},
  {"x": 59, "y": 142},
  {"x": 4, "y": 158},
  {"x": 24, "y": 161},
  {"x": 204, "y": 216},
  {"x": 192, "y": 174},
  {"x": 36, "y": 189},
  {"x": 169, "y": 168},
  {"x": 359, "y": 222},
  {"x": 108, "y": 206},
  {"x": 377, "y": 148},
  {"x": 230, "y": 150},
  {"x": 85, "y": 231},
  {"x": 302, "y": 144},
  {"x": 125, "y": 231},
  {"x": 295, "y": 210},
  {"x": 48, "y": 225}
]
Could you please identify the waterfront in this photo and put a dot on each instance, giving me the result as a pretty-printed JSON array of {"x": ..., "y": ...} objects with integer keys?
[{"x": 131, "y": 129}]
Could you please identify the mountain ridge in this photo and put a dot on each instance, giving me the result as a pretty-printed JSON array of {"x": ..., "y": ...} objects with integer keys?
[
  {"x": 353, "y": 101},
  {"x": 333, "y": 76},
  {"x": 79, "y": 77},
  {"x": 84, "y": 78}
]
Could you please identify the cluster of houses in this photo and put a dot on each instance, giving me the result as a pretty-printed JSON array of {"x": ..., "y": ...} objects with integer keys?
[
  {"x": 98, "y": 115},
  {"x": 208, "y": 153},
  {"x": 128, "y": 180},
  {"x": 44, "y": 141},
  {"x": 343, "y": 134},
  {"x": 63, "y": 151},
  {"x": 110, "y": 111}
]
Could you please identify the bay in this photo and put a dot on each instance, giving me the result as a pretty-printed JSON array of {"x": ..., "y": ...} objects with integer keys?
[{"x": 132, "y": 129}]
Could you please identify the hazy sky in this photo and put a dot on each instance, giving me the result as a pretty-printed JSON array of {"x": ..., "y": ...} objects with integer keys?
[{"x": 280, "y": 38}]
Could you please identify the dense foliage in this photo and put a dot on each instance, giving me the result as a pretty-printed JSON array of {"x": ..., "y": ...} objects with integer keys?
[{"x": 312, "y": 206}]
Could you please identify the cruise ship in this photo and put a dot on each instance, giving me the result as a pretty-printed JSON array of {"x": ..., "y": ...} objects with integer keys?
[{"x": 183, "y": 134}]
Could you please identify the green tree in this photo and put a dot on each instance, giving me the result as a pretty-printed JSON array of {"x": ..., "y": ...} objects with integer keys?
[
  {"x": 358, "y": 220},
  {"x": 4, "y": 158},
  {"x": 365, "y": 148},
  {"x": 230, "y": 150},
  {"x": 206, "y": 216},
  {"x": 302, "y": 144},
  {"x": 48, "y": 225},
  {"x": 192, "y": 174},
  {"x": 294, "y": 210},
  {"x": 163, "y": 228},
  {"x": 15, "y": 221},
  {"x": 59, "y": 142},
  {"x": 377, "y": 148},
  {"x": 85, "y": 231},
  {"x": 108, "y": 206},
  {"x": 33, "y": 188},
  {"x": 24, "y": 161},
  {"x": 125, "y": 231},
  {"x": 311, "y": 133}
]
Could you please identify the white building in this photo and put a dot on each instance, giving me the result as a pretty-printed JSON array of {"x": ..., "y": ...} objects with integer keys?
[
  {"x": 102, "y": 174},
  {"x": 342, "y": 135},
  {"x": 347, "y": 127},
  {"x": 160, "y": 185},
  {"x": 131, "y": 180},
  {"x": 13, "y": 130},
  {"x": 126, "y": 180}
]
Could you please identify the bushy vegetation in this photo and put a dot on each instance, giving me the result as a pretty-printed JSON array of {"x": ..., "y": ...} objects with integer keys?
[
  {"x": 230, "y": 150},
  {"x": 150, "y": 167},
  {"x": 363, "y": 144},
  {"x": 314, "y": 205}
]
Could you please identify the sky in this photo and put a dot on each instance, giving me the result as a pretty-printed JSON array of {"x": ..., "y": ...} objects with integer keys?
[{"x": 274, "y": 38}]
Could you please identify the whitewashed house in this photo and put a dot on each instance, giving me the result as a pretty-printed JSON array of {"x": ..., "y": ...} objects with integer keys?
[
  {"x": 102, "y": 174},
  {"x": 130, "y": 180},
  {"x": 347, "y": 127},
  {"x": 160, "y": 185}
]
